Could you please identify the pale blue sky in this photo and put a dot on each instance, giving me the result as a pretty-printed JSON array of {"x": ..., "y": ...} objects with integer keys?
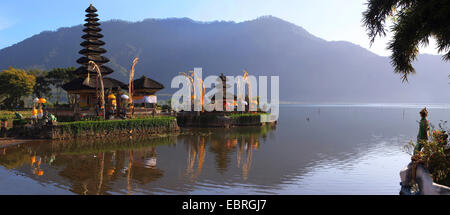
[{"x": 328, "y": 19}]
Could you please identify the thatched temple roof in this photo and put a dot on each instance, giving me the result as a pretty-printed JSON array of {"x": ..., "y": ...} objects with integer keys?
[
  {"x": 81, "y": 84},
  {"x": 91, "y": 15},
  {"x": 144, "y": 83},
  {"x": 94, "y": 43},
  {"x": 99, "y": 60},
  {"x": 84, "y": 70},
  {"x": 91, "y": 23},
  {"x": 91, "y": 50},
  {"x": 91, "y": 9},
  {"x": 92, "y": 36},
  {"x": 92, "y": 28},
  {"x": 91, "y": 19}
]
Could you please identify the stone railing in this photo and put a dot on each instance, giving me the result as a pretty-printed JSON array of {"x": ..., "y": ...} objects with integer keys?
[{"x": 424, "y": 182}]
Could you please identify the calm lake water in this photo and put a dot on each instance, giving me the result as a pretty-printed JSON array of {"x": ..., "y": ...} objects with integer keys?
[{"x": 313, "y": 150}]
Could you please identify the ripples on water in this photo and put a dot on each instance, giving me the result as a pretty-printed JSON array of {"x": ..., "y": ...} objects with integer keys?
[{"x": 339, "y": 150}]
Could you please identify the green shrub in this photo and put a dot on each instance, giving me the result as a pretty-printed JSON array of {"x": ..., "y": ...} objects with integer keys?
[
  {"x": 111, "y": 125},
  {"x": 237, "y": 115},
  {"x": 165, "y": 107},
  {"x": 19, "y": 122},
  {"x": 65, "y": 118},
  {"x": 246, "y": 117},
  {"x": 91, "y": 118},
  {"x": 436, "y": 158}
]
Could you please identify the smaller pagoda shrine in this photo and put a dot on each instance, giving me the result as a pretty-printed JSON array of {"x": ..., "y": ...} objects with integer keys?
[
  {"x": 144, "y": 90},
  {"x": 227, "y": 102}
]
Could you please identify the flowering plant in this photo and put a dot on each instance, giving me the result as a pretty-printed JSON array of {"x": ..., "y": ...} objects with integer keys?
[{"x": 440, "y": 135}]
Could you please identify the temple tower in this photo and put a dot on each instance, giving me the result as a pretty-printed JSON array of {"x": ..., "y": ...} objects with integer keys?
[
  {"x": 85, "y": 88},
  {"x": 92, "y": 46}
]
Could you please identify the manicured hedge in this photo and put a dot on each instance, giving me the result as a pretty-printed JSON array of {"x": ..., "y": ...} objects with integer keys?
[
  {"x": 19, "y": 122},
  {"x": 225, "y": 119},
  {"x": 65, "y": 118},
  {"x": 246, "y": 117},
  {"x": 202, "y": 119},
  {"x": 110, "y": 125}
]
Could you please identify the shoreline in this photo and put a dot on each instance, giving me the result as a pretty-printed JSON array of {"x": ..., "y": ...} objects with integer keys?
[
  {"x": 11, "y": 141},
  {"x": 371, "y": 105}
]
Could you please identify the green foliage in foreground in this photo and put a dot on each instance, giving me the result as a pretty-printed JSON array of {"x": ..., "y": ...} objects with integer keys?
[
  {"x": 111, "y": 125},
  {"x": 247, "y": 117},
  {"x": 436, "y": 158},
  {"x": 237, "y": 115}
]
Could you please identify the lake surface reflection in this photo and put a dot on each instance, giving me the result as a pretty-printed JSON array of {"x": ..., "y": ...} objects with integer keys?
[{"x": 312, "y": 150}]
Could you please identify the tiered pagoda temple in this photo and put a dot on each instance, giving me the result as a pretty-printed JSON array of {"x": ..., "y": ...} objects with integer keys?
[
  {"x": 86, "y": 86},
  {"x": 144, "y": 90}
]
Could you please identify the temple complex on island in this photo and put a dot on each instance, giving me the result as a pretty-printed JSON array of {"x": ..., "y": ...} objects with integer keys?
[{"x": 86, "y": 88}]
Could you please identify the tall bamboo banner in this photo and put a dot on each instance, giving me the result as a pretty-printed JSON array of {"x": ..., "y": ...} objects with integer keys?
[
  {"x": 250, "y": 99},
  {"x": 241, "y": 92},
  {"x": 102, "y": 90},
  {"x": 130, "y": 84},
  {"x": 192, "y": 86},
  {"x": 201, "y": 86}
]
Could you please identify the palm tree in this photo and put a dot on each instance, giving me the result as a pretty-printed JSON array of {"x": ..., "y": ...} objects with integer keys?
[{"x": 414, "y": 22}]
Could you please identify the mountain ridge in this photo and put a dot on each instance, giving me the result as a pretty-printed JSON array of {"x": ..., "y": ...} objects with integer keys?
[{"x": 310, "y": 68}]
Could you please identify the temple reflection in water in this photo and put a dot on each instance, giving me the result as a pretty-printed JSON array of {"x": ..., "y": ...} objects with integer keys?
[
  {"x": 123, "y": 166},
  {"x": 339, "y": 150}
]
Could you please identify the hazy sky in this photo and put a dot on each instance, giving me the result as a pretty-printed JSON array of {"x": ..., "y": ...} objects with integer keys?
[{"x": 328, "y": 19}]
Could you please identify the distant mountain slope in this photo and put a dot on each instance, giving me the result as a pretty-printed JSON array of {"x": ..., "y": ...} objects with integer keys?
[{"x": 310, "y": 69}]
